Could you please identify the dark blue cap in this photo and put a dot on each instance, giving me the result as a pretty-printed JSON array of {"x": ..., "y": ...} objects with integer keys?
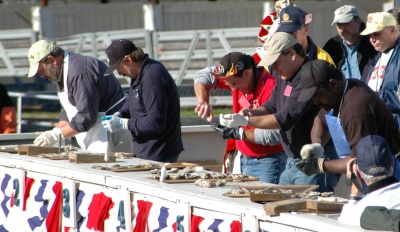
[
  {"x": 291, "y": 19},
  {"x": 374, "y": 151}
]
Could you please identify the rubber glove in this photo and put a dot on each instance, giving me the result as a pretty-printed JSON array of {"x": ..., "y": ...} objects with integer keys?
[
  {"x": 48, "y": 138},
  {"x": 311, "y": 166},
  {"x": 114, "y": 123},
  {"x": 233, "y": 120},
  {"x": 236, "y": 133},
  {"x": 312, "y": 150}
]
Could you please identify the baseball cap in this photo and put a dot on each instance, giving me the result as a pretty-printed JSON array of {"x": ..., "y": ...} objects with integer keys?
[
  {"x": 231, "y": 64},
  {"x": 373, "y": 151},
  {"x": 344, "y": 14},
  {"x": 117, "y": 50},
  {"x": 314, "y": 73},
  {"x": 36, "y": 53},
  {"x": 277, "y": 43},
  {"x": 291, "y": 19},
  {"x": 377, "y": 21}
]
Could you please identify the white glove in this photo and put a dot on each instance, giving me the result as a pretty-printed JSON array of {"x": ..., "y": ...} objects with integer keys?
[
  {"x": 48, "y": 138},
  {"x": 117, "y": 114},
  {"x": 314, "y": 150},
  {"x": 233, "y": 120},
  {"x": 114, "y": 123}
]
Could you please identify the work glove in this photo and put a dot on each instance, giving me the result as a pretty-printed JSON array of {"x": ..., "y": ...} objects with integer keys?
[
  {"x": 236, "y": 133},
  {"x": 48, "y": 138},
  {"x": 314, "y": 150},
  {"x": 233, "y": 120},
  {"x": 114, "y": 123},
  {"x": 311, "y": 166}
]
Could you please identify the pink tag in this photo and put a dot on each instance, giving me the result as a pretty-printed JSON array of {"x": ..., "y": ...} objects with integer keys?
[
  {"x": 244, "y": 103},
  {"x": 288, "y": 91}
]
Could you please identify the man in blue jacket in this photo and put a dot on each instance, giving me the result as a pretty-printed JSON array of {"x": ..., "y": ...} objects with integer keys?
[
  {"x": 384, "y": 69},
  {"x": 152, "y": 109}
]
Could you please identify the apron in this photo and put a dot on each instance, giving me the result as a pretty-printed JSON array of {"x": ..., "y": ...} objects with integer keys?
[
  {"x": 339, "y": 139},
  {"x": 94, "y": 140}
]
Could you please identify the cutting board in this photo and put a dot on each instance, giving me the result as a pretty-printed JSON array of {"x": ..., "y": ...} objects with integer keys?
[
  {"x": 36, "y": 150},
  {"x": 289, "y": 205},
  {"x": 324, "y": 207}
]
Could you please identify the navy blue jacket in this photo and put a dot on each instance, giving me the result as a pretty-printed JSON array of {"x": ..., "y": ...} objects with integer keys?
[
  {"x": 153, "y": 109},
  {"x": 390, "y": 84}
]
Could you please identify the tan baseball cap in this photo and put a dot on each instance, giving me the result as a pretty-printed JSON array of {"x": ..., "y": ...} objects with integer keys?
[
  {"x": 377, "y": 21},
  {"x": 279, "y": 42},
  {"x": 36, "y": 53}
]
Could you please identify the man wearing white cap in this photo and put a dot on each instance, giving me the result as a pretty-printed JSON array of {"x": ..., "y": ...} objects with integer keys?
[
  {"x": 384, "y": 70},
  {"x": 350, "y": 51},
  {"x": 282, "y": 111},
  {"x": 85, "y": 95}
]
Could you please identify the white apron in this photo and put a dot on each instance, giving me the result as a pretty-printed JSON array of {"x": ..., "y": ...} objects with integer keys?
[{"x": 94, "y": 140}]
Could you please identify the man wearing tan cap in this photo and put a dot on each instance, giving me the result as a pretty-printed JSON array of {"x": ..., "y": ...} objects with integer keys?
[
  {"x": 85, "y": 95},
  {"x": 383, "y": 74},
  {"x": 294, "y": 119},
  {"x": 350, "y": 51}
]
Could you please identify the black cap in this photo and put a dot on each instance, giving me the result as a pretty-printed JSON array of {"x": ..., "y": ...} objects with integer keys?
[
  {"x": 312, "y": 74},
  {"x": 117, "y": 50},
  {"x": 231, "y": 64}
]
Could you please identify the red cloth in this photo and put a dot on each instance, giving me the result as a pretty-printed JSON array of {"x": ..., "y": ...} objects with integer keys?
[
  {"x": 28, "y": 185},
  {"x": 141, "y": 218},
  {"x": 99, "y": 211},
  {"x": 266, "y": 26},
  {"x": 53, "y": 219},
  {"x": 195, "y": 223}
]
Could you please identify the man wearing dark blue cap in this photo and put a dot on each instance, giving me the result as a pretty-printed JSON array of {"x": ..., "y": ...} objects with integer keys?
[
  {"x": 374, "y": 165},
  {"x": 152, "y": 109},
  {"x": 296, "y": 22}
]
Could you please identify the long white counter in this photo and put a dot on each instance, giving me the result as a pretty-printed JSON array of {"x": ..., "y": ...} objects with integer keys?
[{"x": 57, "y": 195}]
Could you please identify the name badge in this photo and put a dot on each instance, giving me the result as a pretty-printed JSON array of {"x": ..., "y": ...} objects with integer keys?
[
  {"x": 288, "y": 91},
  {"x": 244, "y": 103}
]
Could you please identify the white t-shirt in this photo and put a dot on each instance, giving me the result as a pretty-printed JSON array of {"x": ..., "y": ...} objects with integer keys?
[{"x": 376, "y": 79}]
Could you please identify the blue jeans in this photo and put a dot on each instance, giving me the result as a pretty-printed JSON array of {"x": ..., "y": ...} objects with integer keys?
[
  {"x": 293, "y": 176},
  {"x": 267, "y": 169}
]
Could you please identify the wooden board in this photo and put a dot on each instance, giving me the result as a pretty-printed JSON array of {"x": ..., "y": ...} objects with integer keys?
[
  {"x": 294, "y": 188},
  {"x": 320, "y": 207},
  {"x": 194, "y": 180},
  {"x": 36, "y": 150},
  {"x": 267, "y": 197},
  {"x": 172, "y": 165},
  {"x": 12, "y": 150},
  {"x": 78, "y": 157},
  {"x": 277, "y": 207}
]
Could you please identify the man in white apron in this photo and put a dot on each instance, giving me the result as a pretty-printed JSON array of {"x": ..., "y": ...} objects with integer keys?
[{"x": 85, "y": 95}]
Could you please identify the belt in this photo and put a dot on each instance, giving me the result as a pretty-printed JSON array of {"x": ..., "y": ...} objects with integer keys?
[{"x": 253, "y": 157}]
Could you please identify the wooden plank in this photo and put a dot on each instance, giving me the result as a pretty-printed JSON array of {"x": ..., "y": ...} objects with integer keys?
[
  {"x": 78, "y": 157},
  {"x": 36, "y": 150},
  {"x": 268, "y": 197},
  {"x": 324, "y": 207},
  {"x": 277, "y": 207}
]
